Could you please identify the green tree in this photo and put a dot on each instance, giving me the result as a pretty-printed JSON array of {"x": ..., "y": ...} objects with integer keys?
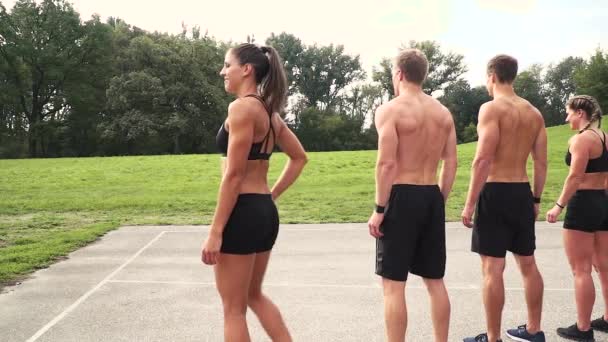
[
  {"x": 290, "y": 48},
  {"x": 48, "y": 52},
  {"x": 530, "y": 85},
  {"x": 384, "y": 76},
  {"x": 469, "y": 133},
  {"x": 591, "y": 78},
  {"x": 464, "y": 103},
  {"x": 325, "y": 72},
  {"x": 167, "y": 97},
  {"x": 318, "y": 74},
  {"x": 86, "y": 100},
  {"x": 559, "y": 81},
  {"x": 361, "y": 102}
]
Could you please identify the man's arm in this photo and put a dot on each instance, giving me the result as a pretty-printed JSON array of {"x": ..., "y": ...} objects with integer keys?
[
  {"x": 489, "y": 136},
  {"x": 539, "y": 155},
  {"x": 450, "y": 163},
  {"x": 386, "y": 164}
]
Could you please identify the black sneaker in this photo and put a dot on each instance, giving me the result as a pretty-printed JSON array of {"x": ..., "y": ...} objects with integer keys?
[
  {"x": 600, "y": 324},
  {"x": 572, "y": 333},
  {"x": 479, "y": 338},
  {"x": 522, "y": 334}
]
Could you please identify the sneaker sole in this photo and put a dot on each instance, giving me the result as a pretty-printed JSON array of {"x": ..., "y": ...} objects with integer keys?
[
  {"x": 574, "y": 339},
  {"x": 600, "y": 329},
  {"x": 518, "y": 338}
]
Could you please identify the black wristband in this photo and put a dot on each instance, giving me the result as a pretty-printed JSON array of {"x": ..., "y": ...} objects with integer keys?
[
  {"x": 559, "y": 205},
  {"x": 379, "y": 209},
  {"x": 536, "y": 199}
]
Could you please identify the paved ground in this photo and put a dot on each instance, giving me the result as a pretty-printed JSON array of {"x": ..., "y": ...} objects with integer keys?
[{"x": 147, "y": 284}]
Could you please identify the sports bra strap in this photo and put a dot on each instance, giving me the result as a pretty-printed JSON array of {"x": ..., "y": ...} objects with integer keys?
[
  {"x": 259, "y": 98},
  {"x": 599, "y": 136},
  {"x": 270, "y": 128}
]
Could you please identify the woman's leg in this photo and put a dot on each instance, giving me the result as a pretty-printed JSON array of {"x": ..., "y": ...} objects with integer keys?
[
  {"x": 579, "y": 248},
  {"x": 232, "y": 277},
  {"x": 268, "y": 313},
  {"x": 600, "y": 259}
]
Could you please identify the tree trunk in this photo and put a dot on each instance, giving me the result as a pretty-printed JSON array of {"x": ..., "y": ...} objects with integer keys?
[{"x": 176, "y": 149}]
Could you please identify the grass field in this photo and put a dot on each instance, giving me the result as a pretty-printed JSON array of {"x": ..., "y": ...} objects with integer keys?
[{"x": 49, "y": 207}]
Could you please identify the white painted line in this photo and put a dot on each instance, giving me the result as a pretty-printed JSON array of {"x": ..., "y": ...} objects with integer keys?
[
  {"x": 213, "y": 284},
  {"x": 84, "y": 297},
  {"x": 161, "y": 282},
  {"x": 301, "y": 285}
]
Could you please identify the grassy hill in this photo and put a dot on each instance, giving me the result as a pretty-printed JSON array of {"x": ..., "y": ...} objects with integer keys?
[{"x": 49, "y": 207}]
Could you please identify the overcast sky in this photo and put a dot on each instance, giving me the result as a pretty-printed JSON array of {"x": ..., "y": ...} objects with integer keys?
[{"x": 533, "y": 31}]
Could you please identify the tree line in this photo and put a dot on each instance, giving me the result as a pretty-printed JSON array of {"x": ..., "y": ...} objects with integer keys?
[{"x": 87, "y": 88}]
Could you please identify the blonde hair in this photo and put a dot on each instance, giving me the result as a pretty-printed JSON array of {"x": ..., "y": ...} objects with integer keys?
[{"x": 589, "y": 105}]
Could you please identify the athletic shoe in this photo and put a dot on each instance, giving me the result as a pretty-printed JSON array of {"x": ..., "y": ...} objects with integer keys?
[
  {"x": 572, "y": 333},
  {"x": 479, "y": 338},
  {"x": 522, "y": 334},
  {"x": 600, "y": 324}
]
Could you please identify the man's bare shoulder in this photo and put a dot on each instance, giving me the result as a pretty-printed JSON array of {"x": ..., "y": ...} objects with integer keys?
[
  {"x": 535, "y": 112},
  {"x": 383, "y": 113},
  {"x": 491, "y": 110},
  {"x": 384, "y": 109},
  {"x": 529, "y": 109},
  {"x": 435, "y": 104},
  {"x": 396, "y": 106},
  {"x": 442, "y": 112}
]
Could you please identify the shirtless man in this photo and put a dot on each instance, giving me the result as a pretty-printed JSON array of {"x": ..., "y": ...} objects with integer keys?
[
  {"x": 509, "y": 129},
  {"x": 415, "y": 132}
]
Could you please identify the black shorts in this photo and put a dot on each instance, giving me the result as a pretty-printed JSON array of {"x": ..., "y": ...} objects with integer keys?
[
  {"x": 414, "y": 234},
  {"x": 504, "y": 220},
  {"x": 587, "y": 211},
  {"x": 253, "y": 225}
]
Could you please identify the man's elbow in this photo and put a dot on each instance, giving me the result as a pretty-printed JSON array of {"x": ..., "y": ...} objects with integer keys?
[
  {"x": 387, "y": 166},
  {"x": 482, "y": 163},
  {"x": 540, "y": 163},
  {"x": 450, "y": 163}
]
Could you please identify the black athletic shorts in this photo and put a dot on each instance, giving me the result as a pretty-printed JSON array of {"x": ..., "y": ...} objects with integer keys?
[
  {"x": 414, "y": 234},
  {"x": 504, "y": 220},
  {"x": 253, "y": 225},
  {"x": 587, "y": 211}
]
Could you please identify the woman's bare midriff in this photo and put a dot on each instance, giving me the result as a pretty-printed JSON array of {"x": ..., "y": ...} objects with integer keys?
[
  {"x": 255, "y": 180},
  {"x": 594, "y": 181}
]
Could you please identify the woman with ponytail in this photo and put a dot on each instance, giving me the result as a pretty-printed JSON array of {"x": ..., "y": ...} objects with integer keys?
[
  {"x": 245, "y": 224},
  {"x": 586, "y": 222}
]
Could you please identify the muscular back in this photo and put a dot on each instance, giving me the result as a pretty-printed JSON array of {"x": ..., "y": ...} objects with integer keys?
[
  {"x": 516, "y": 125},
  {"x": 422, "y": 126}
]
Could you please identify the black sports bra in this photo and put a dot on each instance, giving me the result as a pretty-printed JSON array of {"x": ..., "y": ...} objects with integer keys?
[
  {"x": 596, "y": 165},
  {"x": 257, "y": 151}
]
